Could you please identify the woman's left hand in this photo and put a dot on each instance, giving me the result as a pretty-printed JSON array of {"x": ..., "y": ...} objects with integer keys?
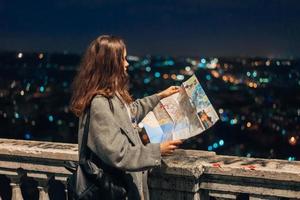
[{"x": 169, "y": 91}]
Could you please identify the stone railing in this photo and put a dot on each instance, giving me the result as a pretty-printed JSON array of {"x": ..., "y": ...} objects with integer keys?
[
  {"x": 41, "y": 161},
  {"x": 188, "y": 174}
]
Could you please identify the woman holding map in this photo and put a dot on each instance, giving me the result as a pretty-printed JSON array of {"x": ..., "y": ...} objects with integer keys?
[{"x": 100, "y": 90}]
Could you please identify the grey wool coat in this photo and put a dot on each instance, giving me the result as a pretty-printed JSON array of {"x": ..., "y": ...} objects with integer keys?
[{"x": 113, "y": 138}]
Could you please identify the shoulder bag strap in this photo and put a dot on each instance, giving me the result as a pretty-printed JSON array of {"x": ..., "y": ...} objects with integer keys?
[
  {"x": 83, "y": 147},
  {"x": 83, "y": 152}
]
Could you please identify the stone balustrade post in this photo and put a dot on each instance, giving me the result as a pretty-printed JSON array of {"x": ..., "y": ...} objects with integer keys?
[
  {"x": 43, "y": 189},
  {"x": 16, "y": 189}
]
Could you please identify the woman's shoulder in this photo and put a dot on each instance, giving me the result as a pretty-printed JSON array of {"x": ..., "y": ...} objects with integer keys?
[
  {"x": 99, "y": 98},
  {"x": 99, "y": 101}
]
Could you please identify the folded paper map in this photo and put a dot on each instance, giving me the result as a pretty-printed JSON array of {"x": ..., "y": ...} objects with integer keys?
[{"x": 181, "y": 115}]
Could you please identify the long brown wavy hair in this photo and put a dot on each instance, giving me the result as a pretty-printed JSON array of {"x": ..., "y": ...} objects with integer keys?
[{"x": 101, "y": 72}]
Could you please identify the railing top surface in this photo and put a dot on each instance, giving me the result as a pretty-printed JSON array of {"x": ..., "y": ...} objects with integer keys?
[
  {"x": 191, "y": 163},
  {"x": 39, "y": 149},
  {"x": 211, "y": 164}
]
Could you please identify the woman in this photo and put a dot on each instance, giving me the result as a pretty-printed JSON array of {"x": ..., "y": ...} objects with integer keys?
[{"x": 102, "y": 85}]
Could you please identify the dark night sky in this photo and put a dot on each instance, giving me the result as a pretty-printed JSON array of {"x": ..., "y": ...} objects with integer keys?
[{"x": 168, "y": 27}]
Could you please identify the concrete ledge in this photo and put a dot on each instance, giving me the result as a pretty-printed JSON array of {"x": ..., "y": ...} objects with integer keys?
[{"x": 187, "y": 174}]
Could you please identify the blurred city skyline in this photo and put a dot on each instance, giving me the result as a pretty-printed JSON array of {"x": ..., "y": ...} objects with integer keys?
[
  {"x": 257, "y": 99},
  {"x": 178, "y": 28}
]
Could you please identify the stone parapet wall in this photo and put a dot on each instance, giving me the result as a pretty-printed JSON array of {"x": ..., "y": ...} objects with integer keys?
[
  {"x": 201, "y": 174},
  {"x": 188, "y": 174}
]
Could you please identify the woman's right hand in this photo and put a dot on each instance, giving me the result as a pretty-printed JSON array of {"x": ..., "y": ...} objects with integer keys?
[
  {"x": 169, "y": 91},
  {"x": 168, "y": 147}
]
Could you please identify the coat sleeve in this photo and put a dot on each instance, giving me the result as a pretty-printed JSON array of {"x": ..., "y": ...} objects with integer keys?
[
  {"x": 107, "y": 140},
  {"x": 141, "y": 107}
]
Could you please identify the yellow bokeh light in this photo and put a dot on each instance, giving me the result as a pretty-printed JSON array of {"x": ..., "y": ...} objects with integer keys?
[
  {"x": 165, "y": 76},
  {"x": 248, "y": 124},
  {"x": 225, "y": 78},
  {"x": 215, "y": 74},
  {"x": 293, "y": 141}
]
